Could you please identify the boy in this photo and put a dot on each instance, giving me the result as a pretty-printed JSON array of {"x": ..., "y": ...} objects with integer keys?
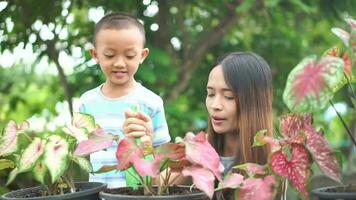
[{"x": 119, "y": 41}]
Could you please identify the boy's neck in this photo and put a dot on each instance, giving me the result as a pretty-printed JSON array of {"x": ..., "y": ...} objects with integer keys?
[{"x": 114, "y": 91}]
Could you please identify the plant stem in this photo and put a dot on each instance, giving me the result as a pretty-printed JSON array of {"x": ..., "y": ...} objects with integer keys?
[
  {"x": 147, "y": 190},
  {"x": 344, "y": 124}
]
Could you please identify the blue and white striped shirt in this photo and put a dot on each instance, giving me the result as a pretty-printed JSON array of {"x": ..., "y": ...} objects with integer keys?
[{"x": 109, "y": 114}]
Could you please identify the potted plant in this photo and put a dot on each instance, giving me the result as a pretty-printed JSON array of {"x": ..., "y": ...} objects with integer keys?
[
  {"x": 49, "y": 158},
  {"x": 191, "y": 156},
  {"x": 311, "y": 86}
]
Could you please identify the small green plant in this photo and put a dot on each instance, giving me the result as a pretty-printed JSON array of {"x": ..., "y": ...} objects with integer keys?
[{"x": 47, "y": 156}]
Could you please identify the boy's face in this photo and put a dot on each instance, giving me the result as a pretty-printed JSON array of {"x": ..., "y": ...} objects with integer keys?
[{"x": 119, "y": 53}]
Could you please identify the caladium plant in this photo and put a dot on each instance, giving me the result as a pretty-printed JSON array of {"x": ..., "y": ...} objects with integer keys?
[
  {"x": 191, "y": 156},
  {"x": 311, "y": 85},
  {"x": 48, "y": 156},
  {"x": 292, "y": 155}
]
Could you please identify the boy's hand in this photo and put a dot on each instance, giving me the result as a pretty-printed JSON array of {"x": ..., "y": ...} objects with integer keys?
[{"x": 138, "y": 124}]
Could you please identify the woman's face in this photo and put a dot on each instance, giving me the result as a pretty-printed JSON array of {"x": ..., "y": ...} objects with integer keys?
[{"x": 220, "y": 103}]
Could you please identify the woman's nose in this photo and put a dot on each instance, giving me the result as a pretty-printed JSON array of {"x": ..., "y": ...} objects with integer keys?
[{"x": 216, "y": 104}]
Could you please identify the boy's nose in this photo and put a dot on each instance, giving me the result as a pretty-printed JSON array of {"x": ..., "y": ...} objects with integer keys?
[{"x": 119, "y": 62}]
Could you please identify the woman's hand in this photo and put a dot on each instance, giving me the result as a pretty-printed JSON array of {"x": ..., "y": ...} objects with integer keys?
[{"x": 138, "y": 124}]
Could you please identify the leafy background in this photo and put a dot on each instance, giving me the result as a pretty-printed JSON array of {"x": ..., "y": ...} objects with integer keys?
[{"x": 191, "y": 35}]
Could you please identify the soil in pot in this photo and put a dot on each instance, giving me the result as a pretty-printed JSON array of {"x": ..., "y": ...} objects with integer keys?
[{"x": 175, "y": 192}]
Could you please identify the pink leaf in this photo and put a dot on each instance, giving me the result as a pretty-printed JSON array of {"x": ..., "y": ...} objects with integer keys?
[
  {"x": 296, "y": 170},
  {"x": 8, "y": 141},
  {"x": 322, "y": 153},
  {"x": 170, "y": 150},
  {"x": 252, "y": 169},
  {"x": 232, "y": 180},
  {"x": 93, "y": 144},
  {"x": 202, "y": 178},
  {"x": 147, "y": 167},
  {"x": 200, "y": 152},
  {"x": 351, "y": 22},
  {"x": 257, "y": 189},
  {"x": 127, "y": 152}
]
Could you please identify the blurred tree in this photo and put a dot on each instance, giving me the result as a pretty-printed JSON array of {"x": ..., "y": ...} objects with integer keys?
[{"x": 184, "y": 37}]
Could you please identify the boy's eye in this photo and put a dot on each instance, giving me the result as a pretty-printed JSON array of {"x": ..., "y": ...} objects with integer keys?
[{"x": 131, "y": 56}]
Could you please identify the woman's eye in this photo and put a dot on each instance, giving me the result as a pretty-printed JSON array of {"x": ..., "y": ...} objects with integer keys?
[
  {"x": 211, "y": 95},
  {"x": 229, "y": 97}
]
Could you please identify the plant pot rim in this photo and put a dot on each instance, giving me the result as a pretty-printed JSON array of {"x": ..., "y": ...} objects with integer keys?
[
  {"x": 106, "y": 195},
  {"x": 320, "y": 192},
  {"x": 97, "y": 186}
]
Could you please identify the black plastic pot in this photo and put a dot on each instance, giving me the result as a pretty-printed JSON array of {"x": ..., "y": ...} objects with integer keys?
[
  {"x": 88, "y": 191},
  {"x": 323, "y": 193},
  {"x": 107, "y": 195}
]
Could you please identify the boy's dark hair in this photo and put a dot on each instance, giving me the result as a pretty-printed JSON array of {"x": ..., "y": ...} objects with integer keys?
[{"x": 119, "y": 20}]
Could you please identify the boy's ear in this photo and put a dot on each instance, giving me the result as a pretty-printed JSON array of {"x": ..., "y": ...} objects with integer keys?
[
  {"x": 144, "y": 54},
  {"x": 94, "y": 54}
]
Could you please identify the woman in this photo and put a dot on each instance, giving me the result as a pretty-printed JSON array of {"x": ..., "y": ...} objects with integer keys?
[{"x": 239, "y": 103}]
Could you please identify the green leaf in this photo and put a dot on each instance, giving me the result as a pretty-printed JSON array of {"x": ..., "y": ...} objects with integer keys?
[
  {"x": 31, "y": 154},
  {"x": 39, "y": 172},
  {"x": 56, "y": 156},
  {"x": 106, "y": 168},
  {"x": 83, "y": 163},
  {"x": 4, "y": 164},
  {"x": 12, "y": 176}
]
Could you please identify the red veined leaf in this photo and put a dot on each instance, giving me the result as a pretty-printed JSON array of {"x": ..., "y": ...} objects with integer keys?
[
  {"x": 322, "y": 153},
  {"x": 347, "y": 64},
  {"x": 310, "y": 84},
  {"x": 333, "y": 51},
  {"x": 296, "y": 170}
]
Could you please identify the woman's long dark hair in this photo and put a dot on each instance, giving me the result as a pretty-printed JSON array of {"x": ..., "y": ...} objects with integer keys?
[{"x": 249, "y": 77}]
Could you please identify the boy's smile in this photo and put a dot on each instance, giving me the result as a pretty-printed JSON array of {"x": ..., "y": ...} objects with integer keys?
[{"x": 119, "y": 53}]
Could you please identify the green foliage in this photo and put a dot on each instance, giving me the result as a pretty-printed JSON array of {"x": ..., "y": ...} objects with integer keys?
[{"x": 283, "y": 32}]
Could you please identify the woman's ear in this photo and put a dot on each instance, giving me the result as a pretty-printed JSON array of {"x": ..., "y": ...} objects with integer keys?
[
  {"x": 94, "y": 54},
  {"x": 144, "y": 54}
]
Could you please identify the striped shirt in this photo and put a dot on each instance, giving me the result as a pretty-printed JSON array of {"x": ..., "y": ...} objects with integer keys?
[{"x": 109, "y": 114}]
